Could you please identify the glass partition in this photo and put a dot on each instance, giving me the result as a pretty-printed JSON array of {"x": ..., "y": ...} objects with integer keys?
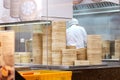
[{"x": 102, "y": 19}]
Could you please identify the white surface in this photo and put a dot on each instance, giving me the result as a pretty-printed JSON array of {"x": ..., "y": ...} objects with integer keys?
[{"x": 58, "y": 8}]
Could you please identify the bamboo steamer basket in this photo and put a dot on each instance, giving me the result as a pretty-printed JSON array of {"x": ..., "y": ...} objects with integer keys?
[
  {"x": 15, "y": 8},
  {"x": 37, "y": 59},
  {"x": 25, "y": 57},
  {"x": 37, "y": 52},
  {"x": 68, "y": 59},
  {"x": 97, "y": 51},
  {"x": 82, "y": 62},
  {"x": 47, "y": 29},
  {"x": 17, "y": 58},
  {"x": 28, "y": 10},
  {"x": 37, "y": 28},
  {"x": 77, "y": 1},
  {"x": 117, "y": 47},
  {"x": 59, "y": 28},
  {"x": 67, "y": 51},
  {"x": 28, "y": 45},
  {"x": 94, "y": 41},
  {"x": 81, "y": 54},
  {"x": 70, "y": 47},
  {"x": 47, "y": 58},
  {"x": 94, "y": 58},
  {"x": 68, "y": 56},
  {"x": 58, "y": 45},
  {"x": 56, "y": 57},
  {"x": 37, "y": 43},
  {"x": 6, "y": 3}
]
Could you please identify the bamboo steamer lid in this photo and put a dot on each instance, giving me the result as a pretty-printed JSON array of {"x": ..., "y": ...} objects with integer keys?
[
  {"x": 25, "y": 57},
  {"x": 77, "y": 1},
  {"x": 6, "y": 3},
  {"x": 28, "y": 10},
  {"x": 15, "y": 8},
  {"x": 82, "y": 62}
]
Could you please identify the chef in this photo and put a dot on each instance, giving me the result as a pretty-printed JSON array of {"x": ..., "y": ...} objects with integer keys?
[{"x": 76, "y": 35}]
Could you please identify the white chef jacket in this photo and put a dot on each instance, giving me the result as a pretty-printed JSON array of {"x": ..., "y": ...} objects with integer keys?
[{"x": 76, "y": 36}]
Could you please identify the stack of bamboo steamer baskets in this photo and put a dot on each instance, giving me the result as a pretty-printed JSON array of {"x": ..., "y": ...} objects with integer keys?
[
  {"x": 15, "y": 8},
  {"x": 47, "y": 45},
  {"x": 81, "y": 54},
  {"x": 56, "y": 57},
  {"x": 117, "y": 49},
  {"x": 6, "y": 3},
  {"x": 105, "y": 48},
  {"x": 68, "y": 57},
  {"x": 37, "y": 48},
  {"x": 94, "y": 49},
  {"x": 58, "y": 35},
  {"x": 58, "y": 40}
]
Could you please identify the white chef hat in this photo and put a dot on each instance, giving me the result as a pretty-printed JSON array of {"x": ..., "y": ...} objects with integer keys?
[{"x": 73, "y": 21}]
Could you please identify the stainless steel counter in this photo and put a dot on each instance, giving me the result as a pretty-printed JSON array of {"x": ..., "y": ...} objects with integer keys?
[{"x": 38, "y": 66}]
